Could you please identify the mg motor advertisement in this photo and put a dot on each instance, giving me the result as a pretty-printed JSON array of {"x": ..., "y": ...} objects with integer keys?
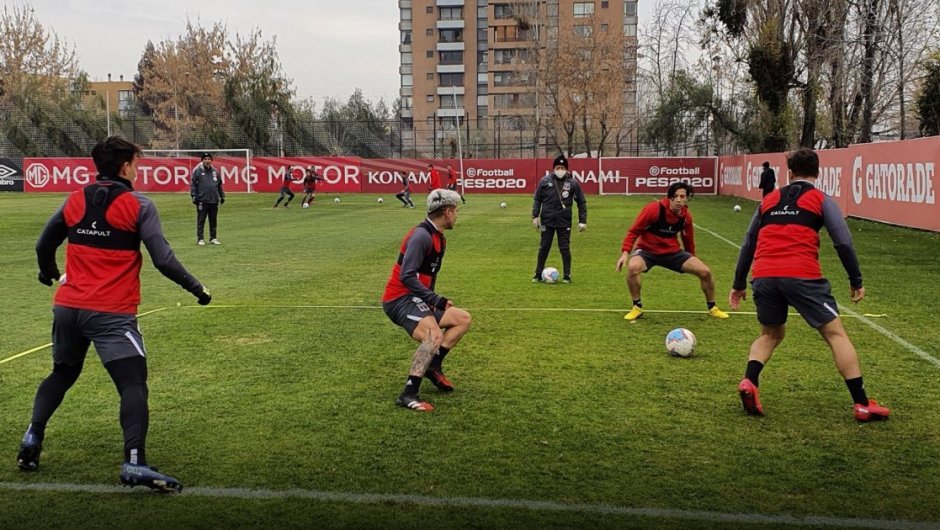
[{"x": 356, "y": 175}]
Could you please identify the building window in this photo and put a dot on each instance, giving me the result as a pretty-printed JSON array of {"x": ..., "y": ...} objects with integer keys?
[
  {"x": 429, "y": 32},
  {"x": 455, "y": 79},
  {"x": 407, "y": 102},
  {"x": 450, "y": 35},
  {"x": 447, "y": 102},
  {"x": 406, "y": 14},
  {"x": 429, "y": 75},
  {"x": 455, "y": 57},
  {"x": 481, "y": 101},
  {"x": 429, "y": 54},
  {"x": 501, "y": 11},
  {"x": 407, "y": 80},
  {"x": 125, "y": 102},
  {"x": 605, "y": 27},
  {"x": 629, "y": 8},
  {"x": 481, "y": 12},
  {"x": 586, "y": 9},
  {"x": 450, "y": 13},
  {"x": 429, "y": 9},
  {"x": 481, "y": 57},
  {"x": 629, "y": 30},
  {"x": 509, "y": 34},
  {"x": 553, "y": 10},
  {"x": 406, "y": 37},
  {"x": 429, "y": 98},
  {"x": 481, "y": 34},
  {"x": 406, "y": 58},
  {"x": 508, "y": 101},
  {"x": 583, "y": 31},
  {"x": 605, "y": 4}
]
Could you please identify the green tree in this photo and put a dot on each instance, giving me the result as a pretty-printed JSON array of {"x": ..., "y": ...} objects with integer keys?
[{"x": 928, "y": 99}]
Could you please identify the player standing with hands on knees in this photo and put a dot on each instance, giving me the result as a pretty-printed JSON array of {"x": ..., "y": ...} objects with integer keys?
[
  {"x": 410, "y": 301},
  {"x": 207, "y": 194},
  {"x": 555, "y": 194},
  {"x": 97, "y": 299},
  {"x": 782, "y": 243}
]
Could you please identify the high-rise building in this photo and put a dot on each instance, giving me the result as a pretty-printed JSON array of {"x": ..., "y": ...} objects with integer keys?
[{"x": 499, "y": 65}]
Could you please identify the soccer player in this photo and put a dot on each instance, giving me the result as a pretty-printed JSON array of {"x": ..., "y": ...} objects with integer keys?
[
  {"x": 434, "y": 178},
  {"x": 405, "y": 194},
  {"x": 207, "y": 194},
  {"x": 285, "y": 188},
  {"x": 554, "y": 197},
  {"x": 654, "y": 240},
  {"x": 96, "y": 302},
  {"x": 409, "y": 299},
  {"x": 452, "y": 183},
  {"x": 782, "y": 243},
  {"x": 310, "y": 185}
]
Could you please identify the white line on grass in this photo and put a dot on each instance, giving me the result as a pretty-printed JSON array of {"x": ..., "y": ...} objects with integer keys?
[
  {"x": 478, "y": 502},
  {"x": 880, "y": 329}
]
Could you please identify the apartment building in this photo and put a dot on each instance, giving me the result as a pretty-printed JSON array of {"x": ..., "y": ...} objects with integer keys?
[{"x": 472, "y": 63}]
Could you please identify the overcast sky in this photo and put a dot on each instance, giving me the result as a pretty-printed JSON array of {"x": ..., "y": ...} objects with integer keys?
[{"x": 328, "y": 47}]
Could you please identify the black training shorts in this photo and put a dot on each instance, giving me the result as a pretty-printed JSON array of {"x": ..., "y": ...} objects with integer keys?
[
  {"x": 408, "y": 310},
  {"x": 812, "y": 299},
  {"x": 115, "y": 335},
  {"x": 672, "y": 261}
]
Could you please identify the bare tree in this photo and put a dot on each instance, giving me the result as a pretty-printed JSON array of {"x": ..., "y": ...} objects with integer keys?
[{"x": 33, "y": 59}]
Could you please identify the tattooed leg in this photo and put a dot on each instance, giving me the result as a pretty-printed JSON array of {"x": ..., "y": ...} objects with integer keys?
[{"x": 423, "y": 355}]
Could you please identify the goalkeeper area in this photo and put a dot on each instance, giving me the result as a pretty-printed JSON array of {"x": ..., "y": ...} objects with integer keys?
[{"x": 274, "y": 405}]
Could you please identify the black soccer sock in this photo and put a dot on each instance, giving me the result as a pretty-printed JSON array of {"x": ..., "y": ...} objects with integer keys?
[
  {"x": 857, "y": 389},
  {"x": 412, "y": 385},
  {"x": 130, "y": 378},
  {"x": 438, "y": 359},
  {"x": 711, "y": 305},
  {"x": 51, "y": 391},
  {"x": 638, "y": 303},
  {"x": 753, "y": 371},
  {"x": 39, "y": 429}
]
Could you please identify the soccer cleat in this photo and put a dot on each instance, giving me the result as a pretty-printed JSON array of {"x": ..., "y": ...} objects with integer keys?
[
  {"x": 136, "y": 475},
  {"x": 439, "y": 380},
  {"x": 215, "y": 241},
  {"x": 566, "y": 279},
  {"x": 201, "y": 243},
  {"x": 413, "y": 402},
  {"x": 873, "y": 411},
  {"x": 634, "y": 314},
  {"x": 30, "y": 448},
  {"x": 717, "y": 313},
  {"x": 537, "y": 279},
  {"x": 750, "y": 397}
]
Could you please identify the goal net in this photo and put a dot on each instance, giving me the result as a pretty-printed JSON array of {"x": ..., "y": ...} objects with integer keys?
[{"x": 234, "y": 165}]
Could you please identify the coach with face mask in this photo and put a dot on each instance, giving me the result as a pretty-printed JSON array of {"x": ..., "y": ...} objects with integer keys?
[{"x": 551, "y": 214}]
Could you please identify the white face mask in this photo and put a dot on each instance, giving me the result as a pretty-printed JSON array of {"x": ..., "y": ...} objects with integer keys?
[{"x": 560, "y": 173}]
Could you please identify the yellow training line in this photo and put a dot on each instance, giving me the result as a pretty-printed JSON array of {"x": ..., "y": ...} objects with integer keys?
[{"x": 44, "y": 346}]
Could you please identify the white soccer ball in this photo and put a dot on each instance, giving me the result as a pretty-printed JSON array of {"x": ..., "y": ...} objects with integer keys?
[
  {"x": 306, "y": 205},
  {"x": 680, "y": 342},
  {"x": 550, "y": 275},
  {"x": 737, "y": 207},
  {"x": 336, "y": 200},
  {"x": 381, "y": 200},
  {"x": 502, "y": 205}
]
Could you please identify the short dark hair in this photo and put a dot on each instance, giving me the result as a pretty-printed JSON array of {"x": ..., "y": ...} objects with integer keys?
[
  {"x": 804, "y": 162},
  {"x": 766, "y": 164},
  {"x": 112, "y": 153},
  {"x": 676, "y": 186}
]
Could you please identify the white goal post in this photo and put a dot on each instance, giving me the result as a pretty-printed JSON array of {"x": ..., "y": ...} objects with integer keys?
[{"x": 240, "y": 157}]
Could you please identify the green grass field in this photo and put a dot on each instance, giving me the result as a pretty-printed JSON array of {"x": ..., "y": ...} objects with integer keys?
[{"x": 561, "y": 418}]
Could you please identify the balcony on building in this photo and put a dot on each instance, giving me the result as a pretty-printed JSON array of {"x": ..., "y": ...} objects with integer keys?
[
  {"x": 451, "y": 68},
  {"x": 450, "y": 90},
  {"x": 450, "y": 3},
  {"x": 404, "y": 4},
  {"x": 450, "y": 46},
  {"x": 450, "y": 113},
  {"x": 450, "y": 24}
]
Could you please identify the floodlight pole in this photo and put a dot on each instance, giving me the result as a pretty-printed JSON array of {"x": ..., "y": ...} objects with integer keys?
[{"x": 457, "y": 131}]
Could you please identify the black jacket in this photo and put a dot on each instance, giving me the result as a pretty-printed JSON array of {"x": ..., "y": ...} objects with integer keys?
[
  {"x": 554, "y": 199},
  {"x": 767, "y": 181},
  {"x": 206, "y": 185}
]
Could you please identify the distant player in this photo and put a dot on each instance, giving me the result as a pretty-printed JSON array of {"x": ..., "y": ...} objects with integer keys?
[
  {"x": 654, "y": 240},
  {"x": 405, "y": 194},
  {"x": 96, "y": 302},
  {"x": 782, "y": 241},
  {"x": 409, "y": 299},
  {"x": 285, "y": 188},
  {"x": 310, "y": 185},
  {"x": 434, "y": 178},
  {"x": 452, "y": 183}
]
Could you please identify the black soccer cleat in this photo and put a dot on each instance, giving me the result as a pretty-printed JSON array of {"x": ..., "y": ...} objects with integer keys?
[
  {"x": 30, "y": 448},
  {"x": 136, "y": 475},
  {"x": 413, "y": 402}
]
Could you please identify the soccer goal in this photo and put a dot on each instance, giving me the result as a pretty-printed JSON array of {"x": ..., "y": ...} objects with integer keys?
[
  {"x": 614, "y": 173},
  {"x": 233, "y": 164}
]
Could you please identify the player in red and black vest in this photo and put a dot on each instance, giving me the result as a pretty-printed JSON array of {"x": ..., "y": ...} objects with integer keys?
[
  {"x": 409, "y": 299},
  {"x": 96, "y": 302},
  {"x": 285, "y": 188},
  {"x": 654, "y": 240},
  {"x": 310, "y": 185},
  {"x": 782, "y": 242}
]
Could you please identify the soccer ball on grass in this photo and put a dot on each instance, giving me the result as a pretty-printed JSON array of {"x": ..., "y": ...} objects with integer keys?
[
  {"x": 737, "y": 207},
  {"x": 381, "y": 200},
  {"x": 336, "y": 200},
  {"x": 502, "y": 205},
  {"x": 550, "y": 275},
  {"x": 306, "y": 205},
  {"x": 680, "y": 342}
]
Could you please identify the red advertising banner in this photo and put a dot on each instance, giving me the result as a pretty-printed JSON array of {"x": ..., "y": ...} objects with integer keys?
[
  {"x": 655, "y": 175},
  {"x": 891, "y": 182}
]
